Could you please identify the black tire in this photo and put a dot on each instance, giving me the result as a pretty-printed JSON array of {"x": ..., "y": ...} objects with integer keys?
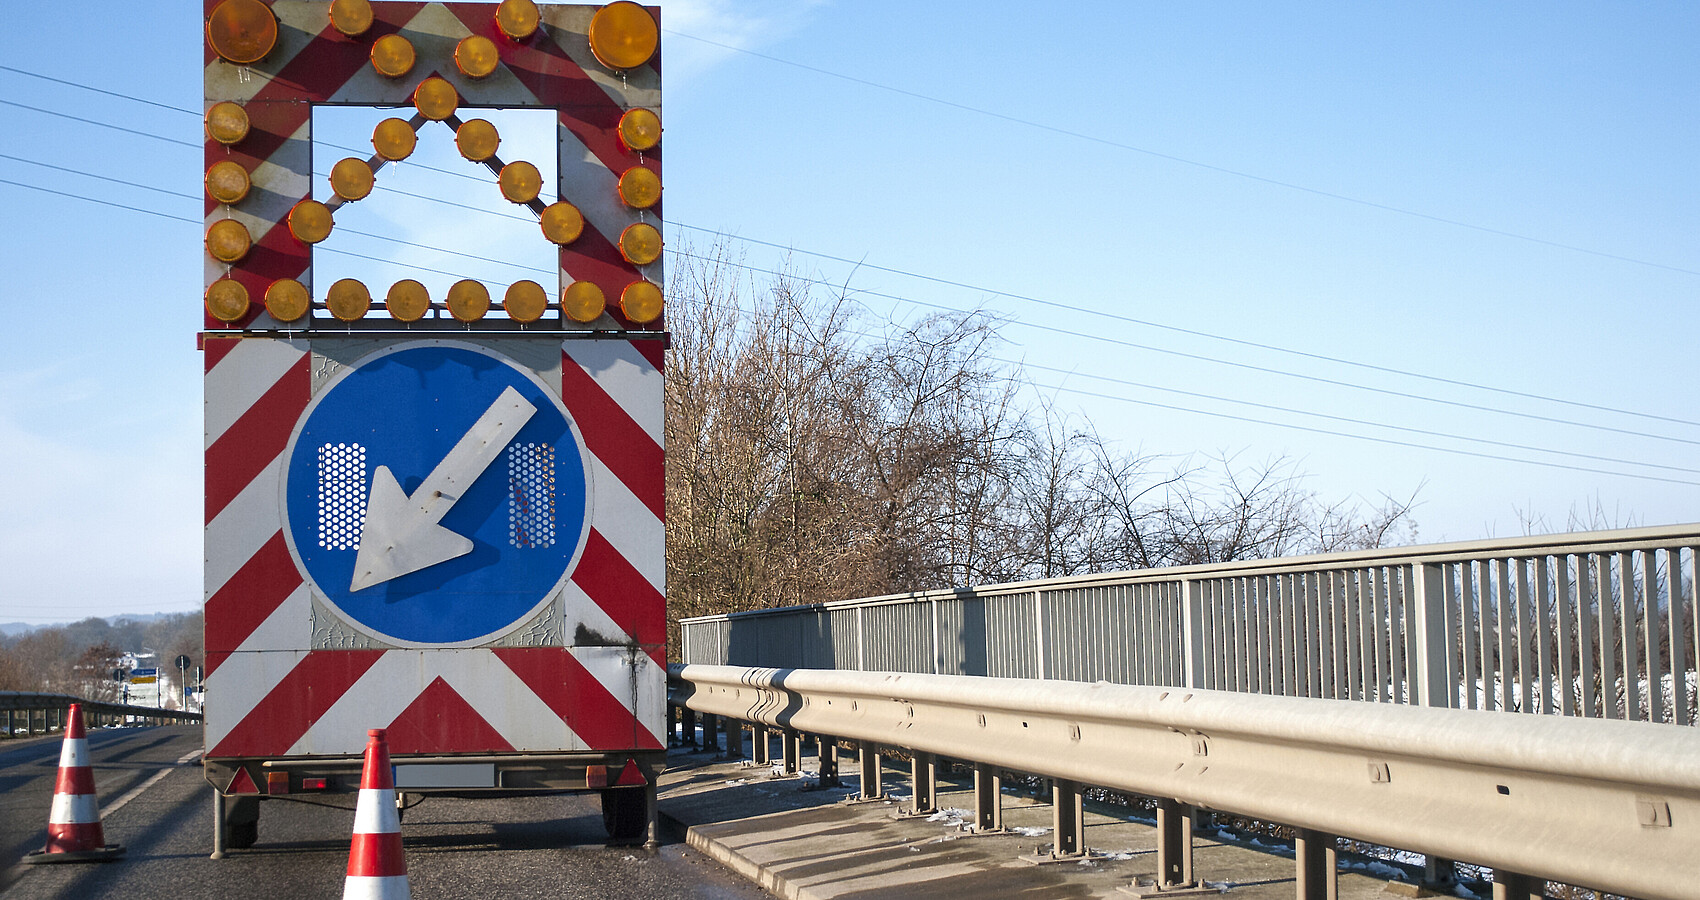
[
  {"x": 241, "y": 822},
  {"x": 625, "y": 815},
  {"x": 241, "y": 835}
]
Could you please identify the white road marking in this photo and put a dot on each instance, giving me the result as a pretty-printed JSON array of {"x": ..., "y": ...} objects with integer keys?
[{"x": 153, "y": 779}]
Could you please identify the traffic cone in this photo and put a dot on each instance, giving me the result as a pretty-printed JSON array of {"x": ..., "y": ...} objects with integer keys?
[
  {"x": 376, "y": 868},
  {"x": 73, "y": 827}
]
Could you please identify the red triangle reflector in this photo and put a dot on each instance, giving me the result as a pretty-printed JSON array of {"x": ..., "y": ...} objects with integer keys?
[
  {"x": 243, "y": 783},
  {"x": 631, "y": 775}
]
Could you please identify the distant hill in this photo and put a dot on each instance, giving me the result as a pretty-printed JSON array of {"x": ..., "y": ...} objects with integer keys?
[{"x": 13, "y": 629}]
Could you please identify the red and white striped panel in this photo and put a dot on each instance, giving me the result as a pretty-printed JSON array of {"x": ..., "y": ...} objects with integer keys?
[
  {"x": 270, "y": 693},
  {"x": 314, "y": 63}
]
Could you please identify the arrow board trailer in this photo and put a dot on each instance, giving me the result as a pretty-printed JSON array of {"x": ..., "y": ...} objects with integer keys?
[
  {"x": 457, "y": 540},
  {"x": 441, "y": 517}
]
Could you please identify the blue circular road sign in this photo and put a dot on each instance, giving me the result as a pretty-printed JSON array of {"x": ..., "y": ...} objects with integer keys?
[{"x": 435, "y": 494}]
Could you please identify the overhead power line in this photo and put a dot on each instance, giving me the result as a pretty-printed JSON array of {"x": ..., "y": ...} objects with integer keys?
[
  {"x": 1170, "y": 157},
  {"x": 1075, "y": 391},
  {"x": 1036, "y": 300}
]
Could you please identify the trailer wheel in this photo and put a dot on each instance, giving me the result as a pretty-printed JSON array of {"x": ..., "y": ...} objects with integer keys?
[
  {"x": 242, "y": 836},
  {"x": 624, "y": 815},
  {"x": 241, "y": 822}
]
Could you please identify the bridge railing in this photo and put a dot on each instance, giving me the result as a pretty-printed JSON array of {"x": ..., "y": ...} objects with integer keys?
[
  {"x": 1607, "y": 805},
  {"x": 21, "y": 711},
  {"x": 1595, "y": 624}
]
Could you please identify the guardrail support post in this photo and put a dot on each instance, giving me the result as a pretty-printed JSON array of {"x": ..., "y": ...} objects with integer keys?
[
  {"x": 1439, "y": 874},
  {"x": 761, "y": 745},
  {"x": 1174, "y": 845},
  {"x": 1512, "y": 886},
  {"x": 710, "y": 732},
  {"x": 734, "y": 739},
  {"x": 869, "y": 764},
  {"x": 988, "y": 799},
  {"x": 827, "y": 752},
  {"x": 688, "y": 719},
  {"x": 791, "y": 750},
  {"x": 1068, "y": 817},
  {"x": 1318, "y": 864},
  {"x": 923, "y": 778}
]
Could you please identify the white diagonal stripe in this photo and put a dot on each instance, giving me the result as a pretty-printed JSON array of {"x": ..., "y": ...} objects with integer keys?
[
  {"x": 581, "y": 610},
  {"x": 635, "y": 532},
  {"x": 242, "y": 377},
  {"x": 618, "y": 368},
  {"x": 238, "y": 685},
  {"x": 289, "y": 627},
  {"x": 624, "y": 673},
  {"x": 245, "y": 524},
  {"x": 478, "y": 676}
]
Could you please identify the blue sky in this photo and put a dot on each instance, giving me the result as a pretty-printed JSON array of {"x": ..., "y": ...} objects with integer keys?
[{"x": 1498, "y": 195}]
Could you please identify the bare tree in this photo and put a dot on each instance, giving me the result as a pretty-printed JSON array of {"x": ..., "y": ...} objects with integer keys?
[{"x": 813, "y": 458}]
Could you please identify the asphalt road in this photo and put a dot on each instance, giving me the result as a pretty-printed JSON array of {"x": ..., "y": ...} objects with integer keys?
[{"x": 534, "y": 847}]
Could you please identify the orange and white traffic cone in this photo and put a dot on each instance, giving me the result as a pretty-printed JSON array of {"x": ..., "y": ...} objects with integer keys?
[
  {"x": 376, "y": 868},
  {"x": 73, "y": 826}
]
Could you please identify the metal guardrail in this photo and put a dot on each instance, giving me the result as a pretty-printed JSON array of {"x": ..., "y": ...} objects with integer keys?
[
  {"x": 52, "y": 709},
  {"x": 1610, "y": 805},
  {"x": 1597, "y": 624}
]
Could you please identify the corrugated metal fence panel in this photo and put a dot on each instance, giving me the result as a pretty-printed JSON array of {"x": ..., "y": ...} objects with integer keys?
[
  {"x": 905, "y": 637},
  {"x": 1012, "y": 634},
  {"x": 1599, "y": 625},
  {"x": 842, "y": 626},
  {"x": 962, "y": 636},
  {"x": 705, "y": 641}
]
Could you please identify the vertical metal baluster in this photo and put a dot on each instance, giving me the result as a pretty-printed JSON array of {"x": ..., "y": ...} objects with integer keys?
[
  {"x": 1457, "y": 657},
  {"x": 1288, "y": 640},
  {"x": 1399, "y": 685},
  {"x": 1316, "y": 595},
  {"x": 1380, "y": 646},
  {"x": 1609, "y": 597},
  {"x": 1507, "y": 636},
  {"x": 1358, "y": 624},
  {"x": 1525, "y": 634},
  {"x": 1543, "y": 635},
  {"x": 1585, "y": 600},
  {"x": 1626, "y": 627},
  {"x": 1471, "y": 621},
  {"x": 1564, "y": 610},
  {"x": 1653, "y": 638}
]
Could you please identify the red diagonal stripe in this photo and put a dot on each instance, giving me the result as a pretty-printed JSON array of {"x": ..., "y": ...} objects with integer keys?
[
  {"x": 654, "y": 351},
  {"x": 249, "y": 597},
  {"x": 311, "y": 688},
  {"x": 621, "y": 590},
  {"x": 611, "y": 434},
  {"x": 563, "y": 683},
  {"x": 216, "y": 348},
  {"x": 440, "y": 720},
  {"x": 257, "y": 438}
]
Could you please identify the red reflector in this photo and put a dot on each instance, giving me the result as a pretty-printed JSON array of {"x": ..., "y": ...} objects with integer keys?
[
  {"x": 631, "y": 774},
  {"x": 596, "y": 776},
  {"x": 277, "y": 782},
  {"x": 312, "y": 784},
  {"x": 243, "y": 783}
]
